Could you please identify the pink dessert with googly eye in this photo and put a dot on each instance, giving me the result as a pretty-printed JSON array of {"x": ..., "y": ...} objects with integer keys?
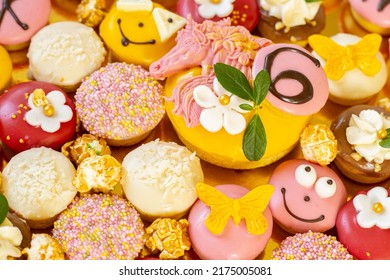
[{"x": 307, "y": 196}]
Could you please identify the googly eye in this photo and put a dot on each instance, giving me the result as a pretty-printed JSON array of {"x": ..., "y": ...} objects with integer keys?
[
  {"x": 325, "y": 187},
  {"x": 305, "y": 175}
]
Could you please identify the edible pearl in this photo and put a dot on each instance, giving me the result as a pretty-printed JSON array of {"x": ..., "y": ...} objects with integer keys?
[
  {"x": 215, "y": 1},
  {"x": 48, "y": 110},
  {"x": 382, "y": 133},
  {"x": 224, "y": 99},
  {"x": 377, "y": 207}
]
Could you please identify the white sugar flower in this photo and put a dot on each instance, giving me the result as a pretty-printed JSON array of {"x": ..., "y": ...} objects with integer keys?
[
  {"x": 363, "y": 133},
  {"x": 211, "y": 8},
  {"x": 373, "y": 209},
  {"x": 220, "y": 109},
  {"x": 49, "y": 122}
]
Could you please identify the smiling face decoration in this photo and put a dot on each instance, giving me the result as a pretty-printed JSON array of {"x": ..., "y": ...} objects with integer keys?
[
  {"x": 140, "y": 31},
  {"x": 307, "y": 196}
]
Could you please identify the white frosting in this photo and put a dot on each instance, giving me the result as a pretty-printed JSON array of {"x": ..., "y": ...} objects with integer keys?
[
  {"x": 362, "y": 134},
  {"x": 208, "y": 9},
  {"x": 10, "y": 240},
  {"x": 215, "y": 115},
  {"x": 62, "y": 113},
  {"x": 364, "y": 205},
  {"x": 38, "y": 183},
  {"x": 63, "y": 53},
  {"x": 159, "y": 178},
  {"x": 167, "y": 23},
  {"x": 354, "y": 84},
  {"x": 134, "y": 5},
  {"x": 291, "y": 12}
]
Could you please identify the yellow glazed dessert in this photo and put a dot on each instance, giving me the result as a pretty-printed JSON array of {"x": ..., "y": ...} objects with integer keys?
[
  {"x": 139, "y": 32},
  {"x": 210, "y": 119},
  {"x": 6, "y": 69}
]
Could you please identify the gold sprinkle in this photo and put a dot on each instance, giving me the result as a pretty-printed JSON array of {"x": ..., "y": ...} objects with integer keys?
[
  {"x": 21, "y": 141},
  {"x": 8, "y": 137},
  {"x": 13, "y": 116}
]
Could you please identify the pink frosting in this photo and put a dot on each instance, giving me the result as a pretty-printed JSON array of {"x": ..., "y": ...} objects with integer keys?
[
  {"x": 33, "y": 13},
  {"x": 368, "y": 9},
  {"x": 296, "y": 61},
  {"x": 304, "y": 204},
  {"x": 234, "y": 242}
]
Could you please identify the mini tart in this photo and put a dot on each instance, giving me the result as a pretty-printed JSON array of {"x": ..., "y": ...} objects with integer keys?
[
  {"x": 365, "y": 217},
  {"x": 70, "y": 50},
  {"x": 357, "y": 168},
  {"x": 121, "y": 103},
  {"x": 241, "y": 12},
  {"x": 6, "y": 69},
  {"x": 372, "y": 15},
  {"x": 18, "y": 133},
  {"x": 100, "y": 227},
  {"x": 296, "y": 35},
  {"x": 159, "y": 179},
  {"x": 22, "y": 19},
  {"x": 38, "y": 185}
]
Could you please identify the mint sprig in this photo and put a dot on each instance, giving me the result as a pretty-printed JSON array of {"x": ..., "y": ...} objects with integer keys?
[
  {"x": 4, "y": 208},
  {"x": 233, "y": 80},
  {"x": 385, "y": 142},
  {"x": 312, "y": 1}
]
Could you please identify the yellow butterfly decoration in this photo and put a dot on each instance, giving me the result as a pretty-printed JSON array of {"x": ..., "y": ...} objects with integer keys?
[
  {"x": 340, "y": 59},
  {"x": 249, "y": 207}
]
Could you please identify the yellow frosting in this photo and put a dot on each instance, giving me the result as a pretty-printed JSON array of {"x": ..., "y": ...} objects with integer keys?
[
  {"x": 142, "y": 54},
  {"x": 6, "y": 69},
  {"x": 282, "y": 129}
]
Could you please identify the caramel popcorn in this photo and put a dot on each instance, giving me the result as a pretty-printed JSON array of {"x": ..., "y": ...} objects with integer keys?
[
  {"x": 91, "y": 12},
  {"x": 98, "y": 173},
  {"x": 44, "y": 247},
  {"x": 169, "y": 237},
  {"x": 318, "y": 144},
  {"x": 85, "y": 146},
  {"x": 384, "y": 103}
]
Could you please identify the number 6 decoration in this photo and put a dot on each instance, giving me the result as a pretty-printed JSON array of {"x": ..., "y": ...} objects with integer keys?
[{"x": 298, "y": 82}]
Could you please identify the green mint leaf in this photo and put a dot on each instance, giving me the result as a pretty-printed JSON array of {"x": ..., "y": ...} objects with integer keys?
[
  {"x": 246, "y": 107},
  {"x": 233, "y": 80},
  {"x": 385, "y": 143},
  {"x": 255, "y": 140},
  {"x": 388, "y": 131},
  {"x": 261, "y": 86},
  {"x": 312, "y": 1},
  {"x": 3, "y": 208}
]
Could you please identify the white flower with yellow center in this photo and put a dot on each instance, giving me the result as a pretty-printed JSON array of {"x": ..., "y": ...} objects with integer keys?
[
  {"x": 220, "y": 109},
  {"x": 373, "y": 209},
  {"x": 365, "y": 132},
  {"x": 50, "y": 113},
  {"x": 211, "y": 8}
]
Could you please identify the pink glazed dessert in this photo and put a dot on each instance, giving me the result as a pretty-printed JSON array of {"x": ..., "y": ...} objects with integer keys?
[
  {"x": 20, "y": 20},
  {"x": 235, "y": 240},
  {"x": 307, "y": 196}
]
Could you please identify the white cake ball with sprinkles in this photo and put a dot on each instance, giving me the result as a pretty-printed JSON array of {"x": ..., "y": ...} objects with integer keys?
[
  {"x": 121, "y": 103},
  {"x": 100, "y": 227},
  {"x": 311, "y": 246}
]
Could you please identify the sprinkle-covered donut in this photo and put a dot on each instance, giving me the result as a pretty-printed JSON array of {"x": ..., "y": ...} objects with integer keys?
[
  {"x": 100, "y": 227},
  {"x": 120, "y": 103}
]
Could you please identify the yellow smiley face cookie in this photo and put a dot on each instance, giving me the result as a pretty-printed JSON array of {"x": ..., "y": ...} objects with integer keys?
[
  {"x": 140, "y": 31},
  {"x": 6, "y": 69}
]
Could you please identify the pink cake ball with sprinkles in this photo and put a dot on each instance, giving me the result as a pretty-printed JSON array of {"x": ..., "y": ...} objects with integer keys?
[
  {"x": 121, "y": 103},
  {"x": 311, "y": 246},
  {"x": 100, "y": 227}
]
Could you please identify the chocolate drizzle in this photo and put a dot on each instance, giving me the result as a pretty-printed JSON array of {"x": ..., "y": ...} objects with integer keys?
[
  {"x": 307, "y": 91},
  {"x": 126, "y": 41},
  {"x": 6, "y": 6},
  {"x": 382, "y": 4}
]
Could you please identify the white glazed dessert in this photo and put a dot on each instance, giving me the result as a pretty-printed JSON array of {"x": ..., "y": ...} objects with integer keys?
[
  {"x": 63, "y": 53},
  {"x": 159, "y": 179},
  {"x": 38, "y": 185},
  {"x": 10, "y": 240},
  {"x": 364, "y": 73}
]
